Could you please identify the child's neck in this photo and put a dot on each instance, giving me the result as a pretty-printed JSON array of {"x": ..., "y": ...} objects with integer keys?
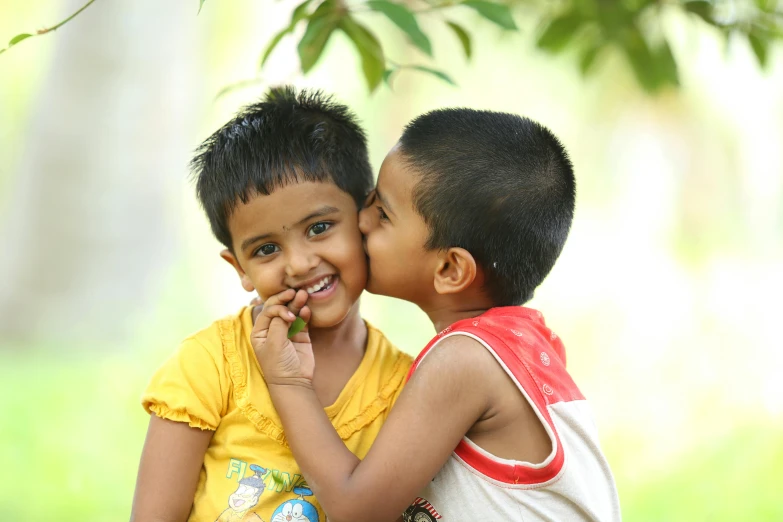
[
  {"x": 338, "y": 352},
  {"x": 349, "y": 335},
  {"x": 447, "y": 310}
]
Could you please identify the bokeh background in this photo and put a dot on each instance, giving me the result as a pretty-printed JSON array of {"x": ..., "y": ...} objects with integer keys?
[{"x": 667, "y": 294}]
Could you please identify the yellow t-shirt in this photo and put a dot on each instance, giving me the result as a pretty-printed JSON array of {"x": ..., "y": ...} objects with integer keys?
[{"x": 213, "y": 382}]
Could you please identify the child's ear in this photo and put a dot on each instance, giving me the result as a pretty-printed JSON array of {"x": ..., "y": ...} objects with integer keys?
[
  {"x": 456, "y": 271},
  {"x": 247, "y": 284}
]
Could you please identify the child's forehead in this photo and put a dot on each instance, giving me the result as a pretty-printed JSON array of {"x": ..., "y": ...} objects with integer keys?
[
  {"x": 398, "y": 177},
  {"x": 326, "y": 190},
  {"x": 287, "y": 206}
]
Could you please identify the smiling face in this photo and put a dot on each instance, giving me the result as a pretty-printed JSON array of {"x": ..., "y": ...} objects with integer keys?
[
  {"x": 244, "y": 498},
  {"x": 395, "y": 236},
  {"x": 293, "y": 512},
  {"x": 303, "y": 235}
]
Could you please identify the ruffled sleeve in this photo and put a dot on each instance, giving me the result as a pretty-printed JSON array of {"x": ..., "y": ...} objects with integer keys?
[{"x": 190, "y": 385}]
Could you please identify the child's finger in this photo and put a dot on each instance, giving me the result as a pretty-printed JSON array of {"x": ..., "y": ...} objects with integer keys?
[
  {"x": 268, "y": 313},
  {"x": 301, "y": 337},
  {"x": 299, "y": 300},
  {"x": 305, "y": 313},
  {"x": 279, "y": 310},
  {"x": 282, "y": 297},
  {"x": 278, "y": 331}
]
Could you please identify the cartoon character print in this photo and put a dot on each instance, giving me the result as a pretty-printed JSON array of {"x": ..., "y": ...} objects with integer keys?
[
  {"x": 245, "y": 498},
  {"x": 421, "y": 511},
  {"x": 298, "y": 509}
]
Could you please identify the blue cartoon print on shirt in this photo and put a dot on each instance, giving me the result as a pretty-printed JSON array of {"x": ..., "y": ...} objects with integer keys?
[{"x": 297, "y": 510}]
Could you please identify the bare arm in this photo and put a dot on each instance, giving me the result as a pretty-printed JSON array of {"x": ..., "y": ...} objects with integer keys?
[
  {"x": 443, "y": 399},
  {"x": 169, "y": 470}
]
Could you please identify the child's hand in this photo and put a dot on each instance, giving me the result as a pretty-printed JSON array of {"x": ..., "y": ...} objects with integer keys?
[{"x": 284, "y": 360}]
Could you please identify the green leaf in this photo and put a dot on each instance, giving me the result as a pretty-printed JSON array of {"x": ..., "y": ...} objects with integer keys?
[
  {"x": 319, "y": 29},
  {"x": 588, "y": 58},
  {"x": 464, "y": 38},
  {"x": 387, "y": 74},
  {"x": 238, "y": 85},
  {"x": 497, "y": 13},
  {"x": 300, "y": 12},
  {"x": 641, "y": 59},
  {"x": 665, "y": 66},
  {"x": 405, "y": 20},
  {"x": 654, "y": 68},
  {"x": 296, "y": 327},
  {"x": 373, "y": 61},
  {"x": 768, "y": 6},
  {"x": 559, "y": 32},
  {"x": 18, "y": 38},
  {"x": 200, "y": 5},
  {"x": 443, "y": 76},
  {"x": 271, "y": 47},
  {"x": 702, "y": 9},
  {"x": 15, "y": 40},
  {"x": 760, "y": 47}
]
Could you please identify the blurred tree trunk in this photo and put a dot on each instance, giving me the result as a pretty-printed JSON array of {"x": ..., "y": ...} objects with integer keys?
[{"x": 90, "y": 229}]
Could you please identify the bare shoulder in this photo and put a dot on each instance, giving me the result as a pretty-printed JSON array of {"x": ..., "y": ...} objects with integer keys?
[
  {"x": 461, "y": 364},
  {"x": 508, "y": 426},
  {"x": 460, "y": 353}
]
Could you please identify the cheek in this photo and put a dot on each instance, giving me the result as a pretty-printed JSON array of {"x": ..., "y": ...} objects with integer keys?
[
  {"x": 382, "y": 248},
  {"x": 267, "y": 280},
  {"x": 346, "y": 253},
  {"x": 374, "y": 242},
  {"x": 354, "y": 257},
  {"x": 365, "y": 221}
]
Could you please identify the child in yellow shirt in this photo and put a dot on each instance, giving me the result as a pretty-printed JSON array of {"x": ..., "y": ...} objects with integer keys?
[{"x": 281, "y": 184}]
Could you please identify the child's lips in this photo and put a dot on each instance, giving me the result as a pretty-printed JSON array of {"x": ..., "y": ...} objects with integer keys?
[
  {"x": 238, "y": 502},
  {"x": 326, "y": 292},
  {"x": 315, "y": 283}
]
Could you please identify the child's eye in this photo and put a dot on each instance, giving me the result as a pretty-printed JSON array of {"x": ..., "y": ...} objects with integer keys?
[
  {"x": 267, "y": 250},
  {"x": 318, "y": 228},
  {"x": 382, "y": 214}
]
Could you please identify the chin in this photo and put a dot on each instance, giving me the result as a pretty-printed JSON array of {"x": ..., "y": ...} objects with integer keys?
[{"x": 329, "y": 316}]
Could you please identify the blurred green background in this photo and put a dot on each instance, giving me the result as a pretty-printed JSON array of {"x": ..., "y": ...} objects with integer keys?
[{"x": 667, "y": 294}]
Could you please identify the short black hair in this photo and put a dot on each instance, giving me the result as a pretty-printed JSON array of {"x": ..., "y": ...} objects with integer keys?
[
  {"x": 498, "y": 185},
  {"x": 286, "y": 137}
]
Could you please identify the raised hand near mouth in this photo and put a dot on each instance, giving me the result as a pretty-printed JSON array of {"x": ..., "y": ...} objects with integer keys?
[{"x": 284, "y": 361}]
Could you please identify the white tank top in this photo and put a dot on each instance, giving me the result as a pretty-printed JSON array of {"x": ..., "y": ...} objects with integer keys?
[{"x": 574, "y": 483}]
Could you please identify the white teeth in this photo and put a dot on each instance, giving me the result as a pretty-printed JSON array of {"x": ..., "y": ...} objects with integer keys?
[{"x": 322, "y": 283}]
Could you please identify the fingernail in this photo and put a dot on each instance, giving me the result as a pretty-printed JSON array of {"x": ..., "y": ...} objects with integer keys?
[{"x": 291, "y": 315}]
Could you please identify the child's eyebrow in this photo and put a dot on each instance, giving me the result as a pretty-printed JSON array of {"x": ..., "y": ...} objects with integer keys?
[
  {"x": 323, "y": 211},
  {"x": 249, "y": 241},
  {"x": 383, "y": 200}
]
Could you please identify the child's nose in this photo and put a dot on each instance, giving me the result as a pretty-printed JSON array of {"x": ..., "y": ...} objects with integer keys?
[
  {"x": 301, "y": 263},
  {"x": 365, "y": 220}
]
